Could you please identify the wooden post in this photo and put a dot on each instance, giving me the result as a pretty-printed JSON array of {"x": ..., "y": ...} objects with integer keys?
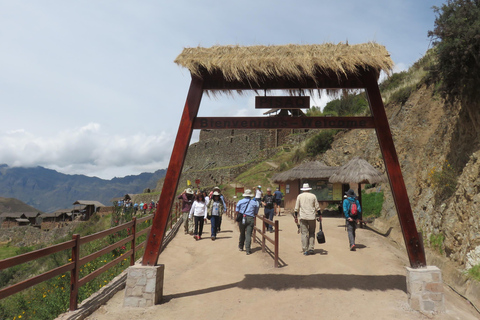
[
  {"x": 74, "y": 273},
  {"x": 263, "y": 237},
  {"x": 415, "y": 252},
  {"x": 276, "y": 243},
  {"x": 167, "y": 197},
  {"x": 133, "y": 243}
]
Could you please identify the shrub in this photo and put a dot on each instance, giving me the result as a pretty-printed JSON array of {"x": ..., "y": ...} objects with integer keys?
[
  {"x": 457, "y": 43},
  {"x": 320, "y": 142},
  {"x": 474, "y": 272}
]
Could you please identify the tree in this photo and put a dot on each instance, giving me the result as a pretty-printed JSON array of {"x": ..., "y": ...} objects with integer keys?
[{"x": 456, "y": 38}]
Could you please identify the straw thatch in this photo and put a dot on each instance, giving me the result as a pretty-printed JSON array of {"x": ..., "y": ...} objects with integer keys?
[
  {"x": 357, "y": 170},
  {"x": 307, "y": 170},
  {"x": 294, "y": 62}
]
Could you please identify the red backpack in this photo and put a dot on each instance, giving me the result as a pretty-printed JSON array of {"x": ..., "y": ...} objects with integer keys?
[{"x": 353, "y": 208}]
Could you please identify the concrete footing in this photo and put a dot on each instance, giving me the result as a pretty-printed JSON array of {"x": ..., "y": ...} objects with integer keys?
[
  {"x": 425, "y": 289},
  {"x": 144, "y": 286}
]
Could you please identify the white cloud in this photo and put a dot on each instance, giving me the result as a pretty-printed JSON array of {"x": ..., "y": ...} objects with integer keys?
[{"x": 87, "y": 148}]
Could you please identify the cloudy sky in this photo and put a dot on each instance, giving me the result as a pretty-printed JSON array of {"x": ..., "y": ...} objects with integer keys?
[{"x": 89, "y": 87}]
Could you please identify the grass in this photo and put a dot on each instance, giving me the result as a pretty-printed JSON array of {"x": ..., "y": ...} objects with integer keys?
[
  {"x": 372, "y": 204},
  {"x": 474, "y": 272},
  {"x": 436, "y": 242},
  {"x": 7, "y": 251}
]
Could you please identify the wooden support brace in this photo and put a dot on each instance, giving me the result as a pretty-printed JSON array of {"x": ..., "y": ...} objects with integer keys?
[
  {"x": 167, "y": 197},
  {"x": 415, "y": 251}
]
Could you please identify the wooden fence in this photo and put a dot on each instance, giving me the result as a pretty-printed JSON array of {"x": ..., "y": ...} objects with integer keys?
[{"x": 77, "y": 262}]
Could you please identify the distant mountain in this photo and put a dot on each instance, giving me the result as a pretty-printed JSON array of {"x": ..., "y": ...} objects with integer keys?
[
  {"x": 15, "y": 205},
  {"x": 49, "y": 190}
]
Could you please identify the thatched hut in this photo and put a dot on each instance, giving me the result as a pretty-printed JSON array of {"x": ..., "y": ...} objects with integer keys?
[
  {"x": 357, "y": 171},
  {"x": 316, "y": 174}
]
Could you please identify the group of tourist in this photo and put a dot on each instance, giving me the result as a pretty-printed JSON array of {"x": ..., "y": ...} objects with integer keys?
[
  {"x": 199, "y": 207},
  {"x": 142, "y": 206}
]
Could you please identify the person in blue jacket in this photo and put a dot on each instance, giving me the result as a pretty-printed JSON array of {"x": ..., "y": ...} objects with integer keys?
[{"x": 351, "y": 217}]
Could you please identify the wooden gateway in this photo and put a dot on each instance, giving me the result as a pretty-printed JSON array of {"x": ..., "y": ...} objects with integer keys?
[{"x": 295, "y": 69}]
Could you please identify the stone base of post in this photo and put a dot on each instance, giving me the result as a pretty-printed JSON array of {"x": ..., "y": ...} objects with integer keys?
[
  {"x": 144, "y": 286},
  {"x": 425, "y": 289}
]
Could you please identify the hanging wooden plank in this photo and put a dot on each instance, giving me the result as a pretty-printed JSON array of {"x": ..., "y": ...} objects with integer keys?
[
  {"x": 282, "y": 102},
  {"x": 167, "y": 197},
  {"x": 415, "y": 251}
]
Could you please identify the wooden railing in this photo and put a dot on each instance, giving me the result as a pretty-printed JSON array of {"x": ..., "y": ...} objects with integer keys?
[
  {"x": 76, "y": 262},
  {"x": 231, "y": 205},
  {"x": 264, "y": 235}
]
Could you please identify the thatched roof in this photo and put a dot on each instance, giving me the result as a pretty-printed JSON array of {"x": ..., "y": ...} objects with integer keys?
[
  {"x": 357, "y": 170},
  {"x": 255, "y": 64},
  {"x": 307, "y": 170}
]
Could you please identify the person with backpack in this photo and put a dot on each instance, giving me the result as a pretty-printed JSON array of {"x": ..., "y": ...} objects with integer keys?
[
  {"x": 351, "y": 210},
  {"x": 268, "y": 204}
]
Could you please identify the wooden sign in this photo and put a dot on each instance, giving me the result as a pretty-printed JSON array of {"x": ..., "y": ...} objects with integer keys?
[{"x": 288, "y": 102}]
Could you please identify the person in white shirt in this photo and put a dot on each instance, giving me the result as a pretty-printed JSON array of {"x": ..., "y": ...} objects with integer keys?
[{"x": 199, "y": 211}]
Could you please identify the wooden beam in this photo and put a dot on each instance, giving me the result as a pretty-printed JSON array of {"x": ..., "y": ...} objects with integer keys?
[
  {"x": 415, "y": 251},
  {"x": 167, "y": 197},
  {"x": 284, "y": 123}
]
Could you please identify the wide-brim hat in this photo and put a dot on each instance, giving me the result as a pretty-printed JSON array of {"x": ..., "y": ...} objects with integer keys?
[
  {"x": 216, "y": 188},
  {"x": 189, "y": 191},
  {"x": 216, "y": 193},
  {"x": 248, "y": 193},
  {"x": 350, "y": 193},
  {"x": 306, "y": 187}
]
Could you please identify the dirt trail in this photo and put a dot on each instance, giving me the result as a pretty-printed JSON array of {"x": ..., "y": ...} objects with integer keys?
[{"x": 213, "y": 280}]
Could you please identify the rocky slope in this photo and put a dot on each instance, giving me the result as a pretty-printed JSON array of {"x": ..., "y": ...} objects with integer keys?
[{"x": 428, "y": 133}]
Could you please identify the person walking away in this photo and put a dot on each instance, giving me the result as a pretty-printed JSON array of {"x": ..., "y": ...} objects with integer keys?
[
  {"x": 278, "y": 200},
  {"x": 269, "y": 210},
  {"x": 259, "y": 195},
  {"x": 187, "y": 200},
  {"x": 305, "y": 207},
  {"x": 224, "y": 206},
  {"x": 215, "y": 210},
  {"x": 249, "y": 208},
  {"x": 351, "y": 210},
  {"x": 199, "y": 213}
]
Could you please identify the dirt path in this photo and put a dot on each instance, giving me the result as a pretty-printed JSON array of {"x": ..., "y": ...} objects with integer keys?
[{"x": 213, "y": 280}]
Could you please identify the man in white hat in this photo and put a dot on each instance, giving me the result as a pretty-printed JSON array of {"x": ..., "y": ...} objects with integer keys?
[
  {"x": 306, "y": 206},
  {"x": 249, "y": 208}
]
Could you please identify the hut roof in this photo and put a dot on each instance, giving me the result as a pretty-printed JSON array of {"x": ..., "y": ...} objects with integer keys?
[
  {"x": 20, "y": 214},
  {"x": 307, "y": 170},
  {"x": 357, "y": 170},
  {"x": 89, "y": 202},
  {"x": 56, "y": 213},
  {"x": 256, "y": 64}
]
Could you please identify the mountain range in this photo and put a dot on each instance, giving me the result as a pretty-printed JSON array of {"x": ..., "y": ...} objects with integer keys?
[{"x": 49, "y": 190}]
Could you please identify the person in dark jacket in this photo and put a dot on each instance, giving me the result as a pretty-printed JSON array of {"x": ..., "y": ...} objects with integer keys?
[
  {"x": 187, "y": 201},
  {"x": 351, "y": 218}
]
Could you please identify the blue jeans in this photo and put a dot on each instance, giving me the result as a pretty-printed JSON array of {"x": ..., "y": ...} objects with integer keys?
[
  {"x": 268, "y": 214},
  {"x": 214, "y": 222}
]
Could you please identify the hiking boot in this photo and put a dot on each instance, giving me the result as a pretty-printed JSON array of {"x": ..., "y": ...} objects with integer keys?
[
  {"x": 213, "y": 238},
  {"x": 240, "y": 249},
  {"x": 311, "y": 252},
  {"x": 249, "y": 253},
  {"x": 306, "y": 253},
  {"x": 352, "y": 248}
]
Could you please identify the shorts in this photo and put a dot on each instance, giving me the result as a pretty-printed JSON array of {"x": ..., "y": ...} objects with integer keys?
[{"x": 278, "y": 202}]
